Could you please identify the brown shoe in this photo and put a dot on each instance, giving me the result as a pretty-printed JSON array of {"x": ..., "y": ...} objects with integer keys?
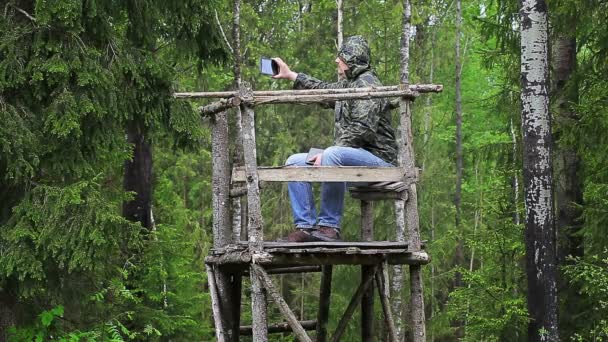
[
  {"x": 328, "y": 234},
  {"x": 302, "y": 235}
]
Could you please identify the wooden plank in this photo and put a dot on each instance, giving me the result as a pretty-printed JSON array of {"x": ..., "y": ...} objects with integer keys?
[
  {"x": 350, "y": 174},
  {"x": 323, "y": 250},
  {"x": 242, "y": 259},
  {"x": 420, "y": 88},
  {"x": 279, "y": 327},
  {"x": 345, "y": 244},
  {"x": 355, "y": 300},
  {"x": 295, "y": 325},
  {"x": 324, "y": 303}
]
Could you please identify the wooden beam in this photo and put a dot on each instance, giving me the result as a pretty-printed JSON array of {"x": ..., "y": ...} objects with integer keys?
[
  {"x": 279, "y": 327},
  {"x": 295, "y": 325},
  {"x": 354, "y": 302},
  {"x": 318, "y": 258},
  {"x": 350, "y": 174},
  {"x": 377, "y": 196},
  {"x": 255, "y": 223},
  {"x": 420, "y": 88},
  {"x": 294, "y": 269},
  {"x": 219, "y": 106},
  {"x": 312, "y": 99},
  {"x": 324, "y": 303},
  {"x": 215, "y": 305},
  {"x": 345, "y": 244},
  {"x": 222, "y": 231},
  {"x": 382, "y": 282}
]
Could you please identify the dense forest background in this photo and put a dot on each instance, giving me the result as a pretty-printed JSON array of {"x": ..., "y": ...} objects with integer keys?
[{"x": 85, "y": 104}]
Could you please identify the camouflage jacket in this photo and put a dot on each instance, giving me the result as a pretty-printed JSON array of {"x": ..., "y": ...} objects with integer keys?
[{"x": 358, "y": 123}]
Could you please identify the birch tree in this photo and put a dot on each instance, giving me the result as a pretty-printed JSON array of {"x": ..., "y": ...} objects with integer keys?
[{"x": 537, "y": 171}]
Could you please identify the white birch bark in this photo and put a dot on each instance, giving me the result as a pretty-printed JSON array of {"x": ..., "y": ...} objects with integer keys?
[{"x": 537, "y": 165}]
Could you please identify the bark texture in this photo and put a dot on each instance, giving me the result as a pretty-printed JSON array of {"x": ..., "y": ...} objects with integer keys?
[
  {"x": 537, "y": 171},
  {"x": 568, "y": 182},
  {"x": 569, "y": 187},
  {"x": 7, "y": 313},
  {"x": 237, "y": 160},
  {"x": 407, "y": 161},
  {"x": 254, "y": 220},
  {"x": 138, "y": 177},
  {"x": 222, "y": 234}
]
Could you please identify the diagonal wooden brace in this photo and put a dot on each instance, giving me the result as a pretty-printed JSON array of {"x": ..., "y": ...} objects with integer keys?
[
  {"x": 354, "y": 302},
  {"x": 384, "y": 292},
  {"x": 283, "y": 307}
]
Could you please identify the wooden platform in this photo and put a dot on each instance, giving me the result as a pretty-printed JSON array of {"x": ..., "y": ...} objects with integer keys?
[
  {"x": 351, "y": 174},
  {"x": 239, "y": 256}
]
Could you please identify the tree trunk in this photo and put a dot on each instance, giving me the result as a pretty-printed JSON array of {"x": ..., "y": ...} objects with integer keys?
[
  {"x": 237, "y": 160},
  {"x": 138, "y": 177},
  {"x": 569, "y": 184},
  {"x": 222, "y": 233},
  {"x": 407, "y": 162},
  {"x": 515, "y": 178},
  {"x": 7, "y": 313},
  {"x": 541, "y": 265},
  {"x": 459, "y": 253}
]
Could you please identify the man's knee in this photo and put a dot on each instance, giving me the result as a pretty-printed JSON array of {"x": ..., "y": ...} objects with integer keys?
[
  {"x": 332, "y": 156},
  {"x": 298, "y": 159}
]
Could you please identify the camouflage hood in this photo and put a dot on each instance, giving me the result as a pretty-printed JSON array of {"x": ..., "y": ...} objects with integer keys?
[{"x": 356, "y": 54}]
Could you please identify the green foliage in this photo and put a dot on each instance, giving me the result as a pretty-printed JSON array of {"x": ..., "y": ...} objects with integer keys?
[
  {"x": 74, "y": 74},
  {"x": 590, "y": 275}
]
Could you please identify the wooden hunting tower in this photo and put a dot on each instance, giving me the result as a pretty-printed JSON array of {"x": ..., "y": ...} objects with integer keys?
[{"x": 231, "y": 259}]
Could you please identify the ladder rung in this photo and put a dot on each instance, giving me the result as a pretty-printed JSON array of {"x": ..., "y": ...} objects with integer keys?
[
  {"x": 293, "y": 269},
  {"x": 245, "y": 330}
]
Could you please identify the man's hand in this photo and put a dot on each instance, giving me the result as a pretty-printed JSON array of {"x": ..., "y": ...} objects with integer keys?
[
  {"x": 316, "y": 159},
  {"x": 284, "y": 71}
]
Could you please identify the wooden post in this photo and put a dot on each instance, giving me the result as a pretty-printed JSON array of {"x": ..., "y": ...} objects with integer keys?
[
  {"x": 237, "y": 203},
  {"x": 411, "y": 205},
  {"x": 397, "y": 281},
  {"x": 367, "y": 301},
  {"x": 295, "y": 325},
  {"x": 254, "y": 222},
  {"x": 215, "y": 305},
  {"x": 324, "y": 302},
  {"x": 221, "y": 213}
]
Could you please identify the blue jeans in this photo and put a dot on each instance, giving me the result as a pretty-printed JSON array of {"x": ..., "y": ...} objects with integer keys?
[{"x": 332, "y": 193}]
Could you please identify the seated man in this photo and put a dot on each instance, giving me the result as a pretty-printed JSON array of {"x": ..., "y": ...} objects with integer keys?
[{"x": 363, "y": 136}]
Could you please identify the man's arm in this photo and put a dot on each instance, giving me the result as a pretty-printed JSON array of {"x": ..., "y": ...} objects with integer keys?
[{"x": 304, "y": 81}]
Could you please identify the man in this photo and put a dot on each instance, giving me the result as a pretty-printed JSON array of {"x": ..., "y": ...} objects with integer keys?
[{"x": 363, "y": 136}]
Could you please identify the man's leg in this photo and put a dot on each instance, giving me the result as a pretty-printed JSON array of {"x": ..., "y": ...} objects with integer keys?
[
  {"x": 332, "y": 194},
  {"x": 300, "y": 195}
]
